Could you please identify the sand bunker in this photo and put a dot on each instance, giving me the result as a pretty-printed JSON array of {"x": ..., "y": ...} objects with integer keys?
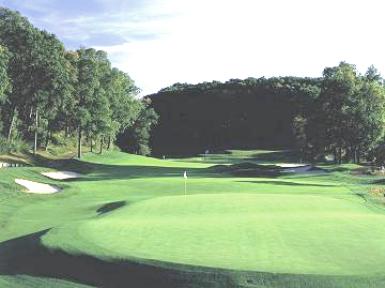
[
  {"x": 298, "y": 169},
  {"x": 61, "y": 175},
  {"x": 294, "y": 167},
  {"x": 291, "y": 165},
  {"x": 36, "y": 187}
]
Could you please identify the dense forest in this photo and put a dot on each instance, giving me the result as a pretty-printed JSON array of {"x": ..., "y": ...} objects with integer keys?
[
  {"x": 51, "y": 95},
  {"x": 237, "y": 114},
  {"x": 341, "y": 113}
]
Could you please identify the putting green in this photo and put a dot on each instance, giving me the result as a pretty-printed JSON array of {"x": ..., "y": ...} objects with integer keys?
[
  {"x": 294, "y": 230},
  {"x": 304, "y": 234}
]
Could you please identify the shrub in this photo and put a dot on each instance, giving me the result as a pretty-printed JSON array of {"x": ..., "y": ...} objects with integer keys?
[
  {"x": 17, "y": 145},
  {"x": 4, "y": 146}
]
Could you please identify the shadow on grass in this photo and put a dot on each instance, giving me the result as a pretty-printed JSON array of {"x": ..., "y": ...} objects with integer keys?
[
  {"x": 378, "y": 182},
  {"x": 337, "y": 169},
  {"x": 71, "y": 164},
  {"x": 27, "y": 256},
  {"x": 97, "y": 171},
  {"x": 277, "y": 156},
  {"x": 100, "y": 172},
  {"x": 288, "y": 183},
  {"x": 109, "y": 207},
  {"x": 227, "y": 157}
]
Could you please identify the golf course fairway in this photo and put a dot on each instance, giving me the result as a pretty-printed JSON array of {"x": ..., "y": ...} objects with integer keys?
[{"x": 127, "y": 222}]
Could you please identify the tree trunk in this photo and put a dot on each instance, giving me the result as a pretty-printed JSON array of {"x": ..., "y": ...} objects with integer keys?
[
  {"x": 79, "y": 141},
  {"x": 92, "y": 145},
  {"x": 340, "y": 155},
  {"x": 355, "y": 155},
  {"x": 14, "y": 112},
  {"x": 109, "y": 143},
  {"x": 335, "y": 156},
  {"x": 36, "y": 125},
  {"x": 101, "y": 145},
  {"x": 47, "y": 140}
]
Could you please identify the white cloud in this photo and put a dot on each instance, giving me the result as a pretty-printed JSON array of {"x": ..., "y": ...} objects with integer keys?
[
  {"x": 218, "y": 40},
  {"x": 168, "y": 41}
]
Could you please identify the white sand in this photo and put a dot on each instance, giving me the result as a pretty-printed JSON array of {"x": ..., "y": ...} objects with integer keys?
[
  {"x": 61, "y": 175},
  {"x": 291, "y": 165},
  {"x": 301, "y": 169},
  {"x": 36, "y": 187}
]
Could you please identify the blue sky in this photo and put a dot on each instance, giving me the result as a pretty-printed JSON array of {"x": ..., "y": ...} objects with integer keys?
[{"x": 160, "y": 42}]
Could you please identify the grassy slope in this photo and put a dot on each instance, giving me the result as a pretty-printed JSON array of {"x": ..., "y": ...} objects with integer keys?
[
  {"x": 280, "y": 233},
  {"x": 298, "y": 225}
]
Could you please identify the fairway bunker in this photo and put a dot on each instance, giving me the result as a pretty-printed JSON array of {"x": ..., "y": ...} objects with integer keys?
[
  {"x": 306, "y": 169},
  {"x": 61, "y": 175},
  {"x": 36, "y": 187},
  {"x": 295, "y": 168}
]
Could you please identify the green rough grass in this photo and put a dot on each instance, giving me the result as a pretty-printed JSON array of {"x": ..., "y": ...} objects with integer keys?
[
  {"x": 36, "y": 282},
  {"x": 291, "y": 231}
]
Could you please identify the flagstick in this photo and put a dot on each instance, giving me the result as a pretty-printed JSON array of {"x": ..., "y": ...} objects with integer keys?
[
  {"x": 185, "y": 184},
  {"x": 185, "y": 188}
]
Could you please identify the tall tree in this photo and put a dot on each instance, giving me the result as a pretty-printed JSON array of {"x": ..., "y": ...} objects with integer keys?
[
  {"x": 5, "y": 83},
  {"x": 19, "y": 36},
  {"x": 100, "y": 106},
  {"x": 349, "y": 118},
  {"x": 334, "y": 113},
  {"x": 368, "y": 123},
  {"x": 87, "y": 83},
  {"x": 50, "y": 82},
  {"x": 37, "y": 70},
  {"x": 55, "y": 84},
  {"x": 54, "y": 90},
  {"x": 65, "y": 118},
  {"x": 125, "y": 107},
  {"x": 137, "y": 137}
]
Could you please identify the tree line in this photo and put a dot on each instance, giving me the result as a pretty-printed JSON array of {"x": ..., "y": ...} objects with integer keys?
[
  {"x": 347, "y": 117},
  {"x": 339, "y": 114},
  {"x": 49, "y": 93}
]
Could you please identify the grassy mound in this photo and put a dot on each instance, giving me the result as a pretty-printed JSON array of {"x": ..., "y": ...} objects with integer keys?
[{"x": 298, "y": 234}]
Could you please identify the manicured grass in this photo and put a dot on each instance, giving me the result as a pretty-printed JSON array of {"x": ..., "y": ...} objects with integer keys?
[
  {"x": 309, "y": 230},
  {"x": 255, "y": 232}
]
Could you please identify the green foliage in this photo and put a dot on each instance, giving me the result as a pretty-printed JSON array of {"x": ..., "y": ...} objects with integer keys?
[
  {"x": 349, "y": 116},
  {"x": 138, "y": 135},
  {"x": 236, "y": 114},
  {"x": 105, "y": 102},
  {"x": 341, "y": 113},
  {"x": 5, "y": 84},
  {"x": 17, "y": 145},
  {"x": 75, "y": 92}
]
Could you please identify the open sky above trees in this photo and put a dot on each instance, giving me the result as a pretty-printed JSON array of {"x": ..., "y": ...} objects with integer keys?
[{"x": 160, "y": 42}]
